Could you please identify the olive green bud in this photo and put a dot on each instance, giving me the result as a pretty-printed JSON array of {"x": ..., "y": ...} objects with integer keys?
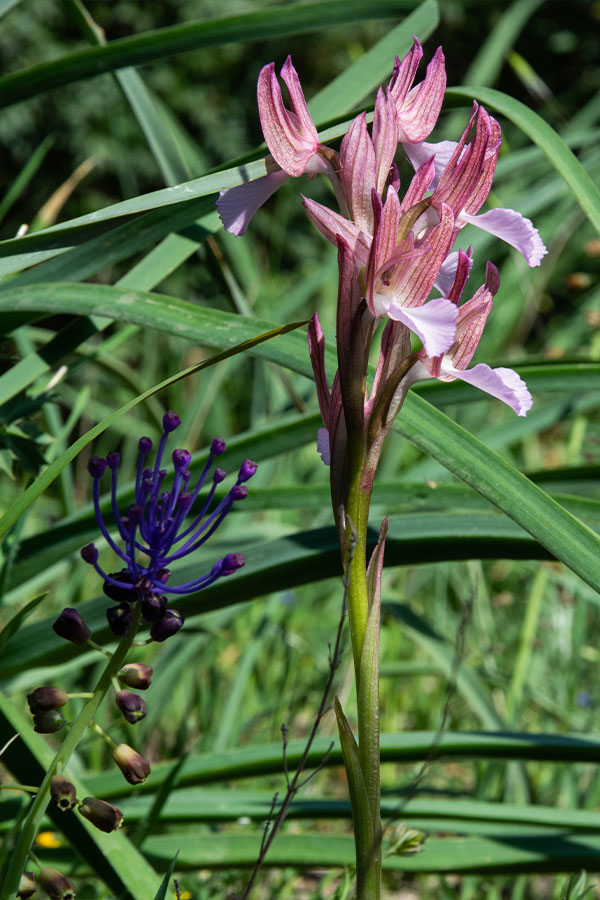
[
  {"x": 136, "y": 675},
  {"x": 133, "y": 766},
  {"x": 103, "y": 815},
  {"x": 48, "y": 722},
  {"x": 44, "y": 698},
  {"x": 56, "y": 885},
  {"x": 27, "y": 886}
]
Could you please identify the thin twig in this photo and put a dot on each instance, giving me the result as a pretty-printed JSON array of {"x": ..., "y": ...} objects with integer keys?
[
  {"x": 9, "y": 742},
  {"x": 294, "y": 785},
  {"x": 284, "y": 741}
]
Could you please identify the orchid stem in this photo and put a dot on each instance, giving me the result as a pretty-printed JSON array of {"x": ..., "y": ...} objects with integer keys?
[{"x": 366, "y": 817}]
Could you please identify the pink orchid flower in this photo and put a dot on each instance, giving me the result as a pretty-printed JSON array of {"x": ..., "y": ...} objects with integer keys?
[
  {"x": 504, "y": 384},
  {"x": 291, "y": 137},
  {"x": 463, "y": 179}
]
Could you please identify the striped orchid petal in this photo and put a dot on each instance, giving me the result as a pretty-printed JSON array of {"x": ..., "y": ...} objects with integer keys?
[{"x": 510, "y": 226}]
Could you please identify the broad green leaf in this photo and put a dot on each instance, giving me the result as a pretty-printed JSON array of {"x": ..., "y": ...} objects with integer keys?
[
  {"x": 254, "y": 760},
  {"x": 144, "y": 48},
  {"x": 565, "y": 536},
  {"x": 560, "y": 156},
  {"x": 6, "y": 5},
  {"x": 559, "y": 852},
  {"x": 217, "y": 328},
  {"x": 144, "y": 275},
  {"x": 421, "y": 811}
]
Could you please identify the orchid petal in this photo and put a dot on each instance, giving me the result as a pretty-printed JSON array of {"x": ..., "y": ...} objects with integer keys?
[
  {"x": 504, "y": 384},
  {"x": 448, "y": 270},
  {"x": 434, "y": 323},
  {"x": 323, "y": 446},
  {"x": 385, "y": 137},
  {"x": 404, "y": 72},
  {"x": 291, "y": 136},
  {"x": 441, "y": 152},
  {"x": 412, "y": 278},
  {"x": 332, "y": 224},
  {"x": 237, "y": 205},
  {"x": 316, "y": 350},
  {"x": 419, "y": 185},
  {"x": 462, "y": 179},
  {"x": 515, "y": 229},
  {"x": 357, "y": 164},
  {"x": 420, "y": 110}
]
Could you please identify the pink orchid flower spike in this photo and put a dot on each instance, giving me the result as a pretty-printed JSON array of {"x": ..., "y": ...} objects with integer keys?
[
  {"x": 504, "y": 384},
  {"x": 291, "y": 137}
]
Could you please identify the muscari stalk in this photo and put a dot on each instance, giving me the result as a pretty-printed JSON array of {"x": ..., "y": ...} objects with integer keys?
[{"x": 63, "y": 754}]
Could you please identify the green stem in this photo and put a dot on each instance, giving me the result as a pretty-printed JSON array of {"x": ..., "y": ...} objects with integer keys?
[
  {"x": 357, "y": 509},
  {"x": 29, "y": 789},
  {"x": 63, "y": 754},
  {"x": 367, "y": 822}
]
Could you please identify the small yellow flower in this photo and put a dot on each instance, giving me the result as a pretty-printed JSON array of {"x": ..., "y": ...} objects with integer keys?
[{"x": 48, "y": 840}]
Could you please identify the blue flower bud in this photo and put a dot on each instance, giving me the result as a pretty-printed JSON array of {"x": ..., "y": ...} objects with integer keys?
[
  {"x": 232, "y": 562},
  {"x": 103, "y": 815},
  {"x": 49, "y": 721},
  {"x": 63, "y": 793},
  {"x": 96, "y": 466},
  {"x": 45, "y": 698},
  {"x": 113, "y": 459},
  {"x": 56, "y": 885},
  {"x": 247, "y": 470},
  {"x": 181, "y": 460},
  {"x": 217, "y": 447},
  {"x": 171, "y": 421},
  {"x": 136, "y": 675}
]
